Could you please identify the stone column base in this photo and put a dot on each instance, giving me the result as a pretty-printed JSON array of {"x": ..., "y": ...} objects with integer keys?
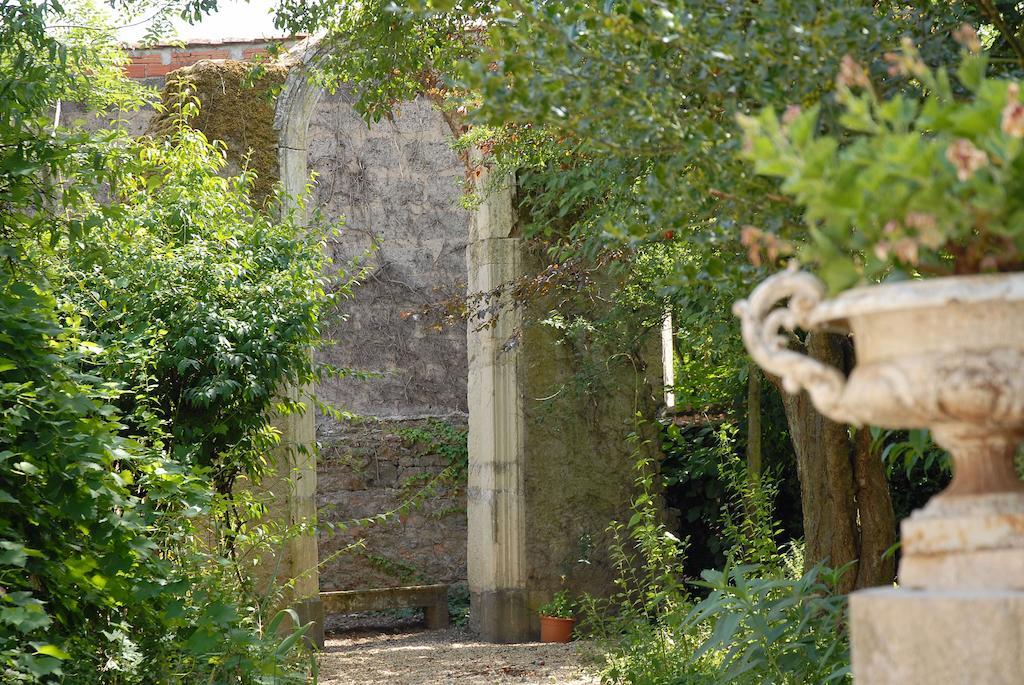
[
  {"x": 502, "y": 616},
  {"x": 312, "y": 610},
  {"x": 937, "y": 637}
]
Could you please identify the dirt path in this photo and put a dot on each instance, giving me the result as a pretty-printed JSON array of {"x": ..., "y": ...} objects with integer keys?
[{"x": 446, "y": 657}]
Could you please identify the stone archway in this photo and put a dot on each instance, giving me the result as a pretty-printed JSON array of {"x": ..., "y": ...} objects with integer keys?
[
  {"x": 399, "y": 194},
  {"x": 545, "y": 478}
]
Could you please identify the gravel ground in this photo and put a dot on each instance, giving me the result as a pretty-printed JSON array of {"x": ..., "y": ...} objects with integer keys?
[{"x": 413, "y": 656}]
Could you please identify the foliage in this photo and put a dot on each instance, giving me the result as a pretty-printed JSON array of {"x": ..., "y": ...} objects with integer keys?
[
  {"x": 137, "y": 288},
  {"x": 442, "y": 438},
  {"x": 458, "y": 605},
  {"x": 761, "y": 622},
  {"x": 693, "y": 486},
  {"x": 559, "y": 606},
  {"x": 205, "y": 307},
  {"x": 774, "y": 630},
  {"x": 914, "y": 186},
  {"x": 909, "y": 450},
  {"x": 748, "y": 518}
]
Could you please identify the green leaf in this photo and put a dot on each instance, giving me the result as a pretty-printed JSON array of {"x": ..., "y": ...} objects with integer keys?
[
  {"x": 971, "y": 71},
  {"x": 52, "y": 650},
  {"x": 12, "y": 554}
]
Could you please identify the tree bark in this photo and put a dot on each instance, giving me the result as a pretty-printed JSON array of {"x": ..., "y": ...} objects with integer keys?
[
  {"x": 877, "y": 518},
  {"x": 847, "y": 509}
]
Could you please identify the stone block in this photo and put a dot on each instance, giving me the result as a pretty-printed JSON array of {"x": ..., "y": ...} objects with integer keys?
[
  {"x": 937, "y": 637},
  {"x": 502, "y": 616}
]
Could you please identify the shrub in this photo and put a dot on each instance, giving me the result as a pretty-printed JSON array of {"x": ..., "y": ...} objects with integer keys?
[
  {"x": 140, "y": 363},
  {"x": 760, "y": 623}
]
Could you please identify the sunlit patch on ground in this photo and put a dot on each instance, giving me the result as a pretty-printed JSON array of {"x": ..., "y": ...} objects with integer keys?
[{"x": 444, "y": 657}]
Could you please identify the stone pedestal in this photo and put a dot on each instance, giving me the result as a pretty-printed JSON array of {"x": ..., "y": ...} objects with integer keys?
[
  {"x": 965, "y": 542},
  {"x": 289, "y": 494},
  {"x": 937, "y": 637},
  {"x": 958, "y": 617}
]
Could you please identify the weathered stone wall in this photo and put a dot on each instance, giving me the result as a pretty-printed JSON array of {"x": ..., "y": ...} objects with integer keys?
[
  {"x": 582, "y": 404},
  {"x": 397, "y": 185},
  {"x": 373, "y": 466}
]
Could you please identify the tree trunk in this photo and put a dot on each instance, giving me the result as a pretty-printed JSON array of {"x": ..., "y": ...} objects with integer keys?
[
  {"x": 877, "y": 564},
  {"x": 847, "y": 510}
]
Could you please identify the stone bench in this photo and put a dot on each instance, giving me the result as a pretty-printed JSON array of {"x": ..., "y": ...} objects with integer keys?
[{"x": 433, "y": 599}]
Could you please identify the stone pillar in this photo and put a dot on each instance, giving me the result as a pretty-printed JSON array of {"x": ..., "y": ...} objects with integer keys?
[
  {"x": 289, "y": 493},
  {"x": 495, "y": 497},
  {"x": 550, "y": 462},
  {"x": 291, "y": 490}
]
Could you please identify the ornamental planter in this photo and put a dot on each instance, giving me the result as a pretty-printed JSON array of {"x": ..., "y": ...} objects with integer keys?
[
  {"x": 555, "y": 629},
  {"x": 945, "y": 354}
]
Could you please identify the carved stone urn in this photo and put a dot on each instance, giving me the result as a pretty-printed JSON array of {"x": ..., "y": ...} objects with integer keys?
[{"x": 945, "y": 354}]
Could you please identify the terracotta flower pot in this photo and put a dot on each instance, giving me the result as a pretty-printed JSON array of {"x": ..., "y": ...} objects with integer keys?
[
  {"x": 945, "y": 354},
  {"x": 554, "y": 629}
]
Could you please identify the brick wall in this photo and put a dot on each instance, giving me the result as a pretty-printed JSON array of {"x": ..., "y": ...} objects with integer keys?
[{"x": 158, "y": 60}]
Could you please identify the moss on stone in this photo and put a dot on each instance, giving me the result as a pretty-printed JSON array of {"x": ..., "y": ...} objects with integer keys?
[{"x": 236, "y": 107}]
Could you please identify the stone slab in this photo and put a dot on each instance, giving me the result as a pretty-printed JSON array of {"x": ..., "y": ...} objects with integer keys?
[
  {"x": 985, "y": 569},
  {"x": 937, "y": 637},
  {"x": 433, "y": 599},
  {"x": 966, "y": 523}
]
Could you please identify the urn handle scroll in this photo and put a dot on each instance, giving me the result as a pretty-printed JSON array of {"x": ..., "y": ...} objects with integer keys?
[{"x": 763, "y": 321}]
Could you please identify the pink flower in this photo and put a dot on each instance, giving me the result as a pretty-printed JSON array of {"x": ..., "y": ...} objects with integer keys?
[
  {"x": 965, "y": 158},
  {"x": 1013, "y": 113},
  {"x": 750, "y": 237},
  {"x": 906, "y": 250},
  {"x": 791, "y": 114},
  {"x": 895, "y": 62},
  {"x": 851, "y": 74},
  {"x": 968, "y": 37},
  {"x": 927, "y": 228}
]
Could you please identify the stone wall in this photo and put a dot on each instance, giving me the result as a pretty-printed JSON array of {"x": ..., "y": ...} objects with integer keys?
[
  {"x": 374, "y": 466},
  {"x": 397, "y": 186}
]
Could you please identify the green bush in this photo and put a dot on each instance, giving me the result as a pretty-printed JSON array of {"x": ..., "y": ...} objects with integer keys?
[{"x": 144, "y": 344}]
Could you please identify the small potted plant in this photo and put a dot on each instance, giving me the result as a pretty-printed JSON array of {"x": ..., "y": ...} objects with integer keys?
[
  {"x": 913, "y": 222},
  {"x": 556, "y": 619}
]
